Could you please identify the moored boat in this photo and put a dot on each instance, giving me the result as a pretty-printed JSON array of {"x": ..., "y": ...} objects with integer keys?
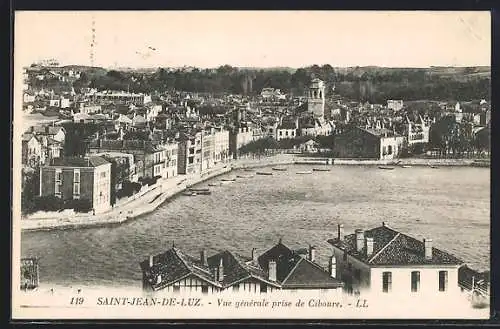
[
  {"x": 385, "y": 167},
  {"x": 264, "y": 173},
  {"x": 213, "y": 184},
  {"x": 228, "y": 179},
  {"x": 189, "y": 193},
  {"x": 279, "y": 169},
  {"x": 321, "y": 169},
  {"x": 304, "y": 172},
  {"x": 244, "y": 176},
  {"x": 405, "y": 166},
  {"x": 198, "y": 189}
]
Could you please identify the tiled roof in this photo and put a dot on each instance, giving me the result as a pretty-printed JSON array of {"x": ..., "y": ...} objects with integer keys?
[
  {"x": 93, "y": 161},
  {"x": 310, "y": 275},
  {"x": 27, "y": 136},
  {"x": 391, "y": 247},
  {"x": 295, "y": 271},
  {"x": 41, "y": 130},
  {"x": 236, "y": 268},
  {"x": 173, "y": 265}
]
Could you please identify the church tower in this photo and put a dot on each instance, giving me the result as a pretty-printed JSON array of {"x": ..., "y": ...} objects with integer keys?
[{"x": 316, "y": 98}]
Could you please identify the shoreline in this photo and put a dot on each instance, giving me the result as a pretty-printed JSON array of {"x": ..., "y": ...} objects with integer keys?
[{"x": 168, "y": 189}]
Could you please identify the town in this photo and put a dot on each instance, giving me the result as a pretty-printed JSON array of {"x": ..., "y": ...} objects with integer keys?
[{"x": 101, "y": 139}]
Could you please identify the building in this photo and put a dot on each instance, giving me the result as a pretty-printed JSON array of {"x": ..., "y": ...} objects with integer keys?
[
  {"x": 122, "y": 167},
  {"x": 32, "y": 150},
  {"x": 30, "y": 273},
  {"x": 316, "y": 98},
  {"x": 356, "y": 142},
  {"x": 286, "y": 129},
  {"x": 383, "y": 260},
  {"x": 150, "y": 156},
  {"x": 277, "y": 269},
  {"x": 190, "y": 156},
  {"x": 417, "y": 132},
  {"x": 55, "y": 132},
  {"x": 78, "y": 178},
  {"x": 120, "y": 97},
  {"x": 395, "y": 105}
]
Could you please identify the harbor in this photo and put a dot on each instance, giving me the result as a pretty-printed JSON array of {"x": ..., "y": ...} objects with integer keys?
[{"x": 256, "y": 211}]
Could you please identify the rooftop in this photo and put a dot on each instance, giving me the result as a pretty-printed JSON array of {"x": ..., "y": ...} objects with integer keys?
[
  {"x": 393, "y": 248},
  {"x": 93, "y": 161}
]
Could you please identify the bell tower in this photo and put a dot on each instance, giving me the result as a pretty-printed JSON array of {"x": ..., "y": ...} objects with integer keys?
[{"x": 316, "y": 98}]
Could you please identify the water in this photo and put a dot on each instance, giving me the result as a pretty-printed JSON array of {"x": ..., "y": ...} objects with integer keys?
[{"x": 449, "y": 205}]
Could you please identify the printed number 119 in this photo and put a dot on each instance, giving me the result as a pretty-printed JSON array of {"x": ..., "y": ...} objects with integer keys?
[{"x": 76, "y": 301}]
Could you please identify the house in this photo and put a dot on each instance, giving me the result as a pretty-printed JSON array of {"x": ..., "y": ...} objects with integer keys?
[
  {"x": 28, "y": 98},
  {"x": 78, "y": 178},
  {"x": 226, "y": 272},
  {"x": 32, "y": 150},
  {"x": 417, "y": 132},
  {"x": 122, "y": 167},
  {"x": 476, "y": 283},
  {"x": 373, "y": 143},
  {"x": 55, "y": 132},
  {"x": 150, "y": 156},
  {"x": 395, "y": 105},
  {"x": 30, "y": 273},
  {"x": 190, "y": 153},
  {"x": 287, "y": 128},
  {"x": 308, "y": 147},
  {"x": 383, "y": 260}
]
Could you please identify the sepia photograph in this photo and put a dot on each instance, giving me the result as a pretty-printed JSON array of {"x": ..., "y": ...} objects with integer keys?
[{"x": 251, "y": 165}]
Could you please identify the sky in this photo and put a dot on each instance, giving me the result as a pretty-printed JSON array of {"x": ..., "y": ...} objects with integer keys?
[{"x": 209, "y": 39}]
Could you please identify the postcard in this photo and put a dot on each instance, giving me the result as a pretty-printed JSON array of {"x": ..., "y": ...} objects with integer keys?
[{"x": 184, "y": 165}]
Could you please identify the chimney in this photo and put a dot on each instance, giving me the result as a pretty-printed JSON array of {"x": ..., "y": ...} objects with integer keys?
[
  {"x": 203, "y": 257},
  {"x": 360, "y": 239},
  {"x": 369, "y": 246},
  {"x": 312, "y": 253},
  {"x": 340, "y": 232},
  {"x": 428, "y": 248},
  {"x": 220, "y": 276},
  {"x": 254, "y": 256},
  {"x": 272, "y": 270},
  {"x": 333, "y": 266},
  {"x": 151, "y": 261}
]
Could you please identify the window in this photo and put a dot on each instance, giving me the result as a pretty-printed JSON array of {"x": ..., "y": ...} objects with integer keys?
[
  {"x": 76, "y": 189},
  {"x": 443, "y": 280},
  {"x": 286, "y": 133},
  {"x": 384, "y": 150},
  {"x": 103, "y": 174},
  {"x": 236, "y": 287},
  {"x": 386, "y": 281},
  {"x": 281, "y": 133},
  {"x": 389, "y": 149},
  {"x": 263, "y": 287},
  {"x": 204, "y": 289},
  {"x": 415, "y": 281}
]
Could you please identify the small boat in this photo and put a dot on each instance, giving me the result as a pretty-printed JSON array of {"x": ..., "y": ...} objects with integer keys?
[
  {"x": 279, "y": 169},
  {"x": 188, "y": 193},
  {"x": 385, "y": 167},
  {"x": 405, "y": 166},
  {"x": 321, "y": 169},
  {"x": 213, "y": 184},
  {"x": 433, "y": 167},
  {"x": 304, "y": 172},
  {"x": 198, "y": 190},
  {"x": 248, "y": 169},
  {"x": 228, "y": 179},
  {"x": 264, "y": 173},
  {"x": 203, "y": 193},
  {"x": 244, "y": 176}
]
